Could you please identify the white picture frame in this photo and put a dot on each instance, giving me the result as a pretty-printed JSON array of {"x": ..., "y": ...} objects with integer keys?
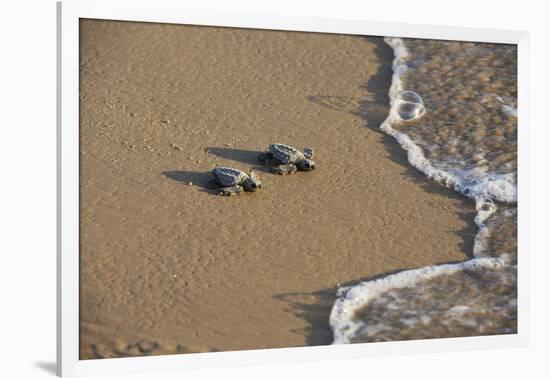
[{"x": 171, "y": 11}]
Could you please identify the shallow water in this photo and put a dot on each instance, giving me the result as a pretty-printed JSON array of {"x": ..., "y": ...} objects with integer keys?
[{"x": 453, "y": 108}]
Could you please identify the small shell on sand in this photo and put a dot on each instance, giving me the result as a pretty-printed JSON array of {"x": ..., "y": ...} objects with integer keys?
[{"x": 175, "y": 146}]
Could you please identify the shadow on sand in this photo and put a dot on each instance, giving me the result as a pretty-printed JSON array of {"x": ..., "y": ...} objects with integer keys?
[
  {"x": 248, "y": 157},
  {"x": 200, "y": 180},
  {"x": 315, "y": 309}
]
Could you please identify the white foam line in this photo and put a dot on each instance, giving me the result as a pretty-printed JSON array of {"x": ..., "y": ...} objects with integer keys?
[
  {"x": 468, "y": 182},
  {"x": 352, "y": 298}
]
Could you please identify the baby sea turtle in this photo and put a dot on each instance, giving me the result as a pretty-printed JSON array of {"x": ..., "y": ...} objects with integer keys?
[
  {"x": 231, "y": 181},
  {"x": 287, "y": 159}
]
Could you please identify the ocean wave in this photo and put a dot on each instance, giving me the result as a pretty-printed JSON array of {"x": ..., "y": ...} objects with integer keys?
[
  {"x": 347, "y": 325},
  {"x": 406, "y": 305}
]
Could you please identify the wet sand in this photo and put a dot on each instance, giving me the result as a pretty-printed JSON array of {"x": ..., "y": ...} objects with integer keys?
[{"x": 166, "y": 266}]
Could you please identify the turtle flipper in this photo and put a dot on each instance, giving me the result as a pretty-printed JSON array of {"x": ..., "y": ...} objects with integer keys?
[
  {"x": 230, "y": 190},
  {"x": 265, "y": 157},
  {"x": 284, "y": 169},
  {"x": 308, "y": 152}
]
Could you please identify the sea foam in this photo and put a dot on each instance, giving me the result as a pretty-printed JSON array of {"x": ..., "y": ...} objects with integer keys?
[
  {"x": 350, "y": 299},
  {"x": 473, "y": 183}
]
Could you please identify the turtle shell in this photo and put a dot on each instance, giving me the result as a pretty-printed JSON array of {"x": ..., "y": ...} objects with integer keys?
[
  {"x": 229, "y": 176},
  {"x": 285, "y": 154}
]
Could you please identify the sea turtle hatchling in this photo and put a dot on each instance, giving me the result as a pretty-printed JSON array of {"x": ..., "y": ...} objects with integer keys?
[
  {"x": 287, "y": 159},
  {"x": 231, "y": 181}
]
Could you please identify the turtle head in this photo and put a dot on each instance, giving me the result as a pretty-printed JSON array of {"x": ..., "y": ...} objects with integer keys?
[
  {"x": 252, "y": 183},
  {"x": 306, "y": 165}
]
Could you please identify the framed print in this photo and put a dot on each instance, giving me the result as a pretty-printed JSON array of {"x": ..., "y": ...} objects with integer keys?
[{"x": 238, "y": 189}]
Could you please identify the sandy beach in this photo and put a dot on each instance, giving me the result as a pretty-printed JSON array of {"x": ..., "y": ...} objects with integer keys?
[{"x": 167, "y": 266}]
